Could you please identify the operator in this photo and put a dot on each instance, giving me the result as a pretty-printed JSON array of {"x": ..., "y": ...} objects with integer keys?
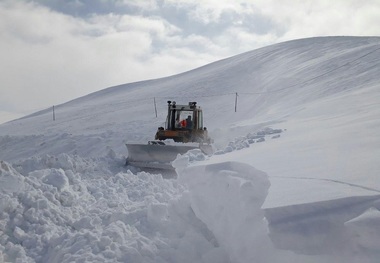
[{"x": 189, "y": 122}]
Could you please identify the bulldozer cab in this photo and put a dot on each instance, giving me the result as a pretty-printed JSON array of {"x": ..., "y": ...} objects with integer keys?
[
  {"x": 182, "y": 117},
  {"x": 184, "y": 123}
]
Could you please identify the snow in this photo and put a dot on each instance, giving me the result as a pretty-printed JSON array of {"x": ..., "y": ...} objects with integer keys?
[
  {"x": 365, "y": 228},
  {"x": 294, "y": 177},
  {"x": 228, "y": 197}
]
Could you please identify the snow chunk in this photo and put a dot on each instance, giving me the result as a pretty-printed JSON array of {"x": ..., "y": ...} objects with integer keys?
[
  {"x": 56, "y": 178},
  {"x": 10, "y": 179},
  {"x": 181, "y": 162},
  {"x": 19, "y": 234}
]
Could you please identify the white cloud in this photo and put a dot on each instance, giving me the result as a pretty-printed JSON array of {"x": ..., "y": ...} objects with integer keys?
[
  {"x": 141, "y": 4},
  {"x": 243, "y": 40},
  {"x": 321, "y": 18},
  {"x": 210, "y": 11},
  {"x": 52, "y": 57}
]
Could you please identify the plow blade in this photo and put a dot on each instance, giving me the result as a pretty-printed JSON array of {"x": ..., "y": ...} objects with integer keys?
[
  {"x": 158, "y": 156},
  {"x": 154, "y": 156}
]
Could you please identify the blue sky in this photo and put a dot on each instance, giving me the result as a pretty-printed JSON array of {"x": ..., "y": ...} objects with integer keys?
[{"x": 53, "y": 50}]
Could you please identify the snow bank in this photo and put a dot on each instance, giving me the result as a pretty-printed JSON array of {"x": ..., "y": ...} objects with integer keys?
[
  {"x": 341, "y": 228},
  {"x": 68, "y": 209}
]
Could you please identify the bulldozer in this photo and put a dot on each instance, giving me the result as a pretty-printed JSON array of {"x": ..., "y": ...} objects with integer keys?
[{"x": 183, "y": 131}]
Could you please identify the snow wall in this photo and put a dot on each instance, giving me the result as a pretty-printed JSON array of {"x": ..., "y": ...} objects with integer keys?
[{"x": 69, "y": 209}]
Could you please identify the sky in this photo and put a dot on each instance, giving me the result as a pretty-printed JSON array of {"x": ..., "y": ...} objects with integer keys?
[{"x": 53, "y": 51}]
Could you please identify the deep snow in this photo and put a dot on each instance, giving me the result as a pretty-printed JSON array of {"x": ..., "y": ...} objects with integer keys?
[{"x": 294, "y": 179}]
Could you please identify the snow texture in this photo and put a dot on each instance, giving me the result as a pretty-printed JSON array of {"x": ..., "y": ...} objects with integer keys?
[{"x": 294, "y": 177}]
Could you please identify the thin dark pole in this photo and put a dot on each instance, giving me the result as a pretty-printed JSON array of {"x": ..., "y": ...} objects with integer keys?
[
  {"x": 236, "y": 95},
  {"x": 155, "y": 107}
]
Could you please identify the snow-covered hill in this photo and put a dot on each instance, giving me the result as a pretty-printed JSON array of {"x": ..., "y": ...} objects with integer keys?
[{"x": 307, "y": 116}]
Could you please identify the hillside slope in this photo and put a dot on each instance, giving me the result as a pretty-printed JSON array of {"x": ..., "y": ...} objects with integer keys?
[{"x": 272, "y": 83}]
